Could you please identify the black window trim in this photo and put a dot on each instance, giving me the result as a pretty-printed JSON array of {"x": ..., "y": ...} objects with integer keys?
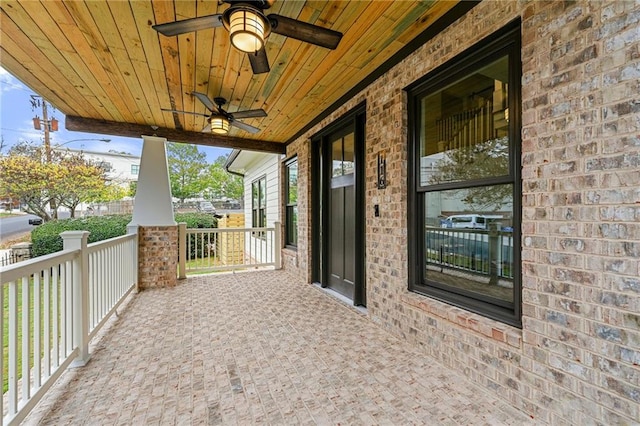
[{"x": 505, "y": 41}]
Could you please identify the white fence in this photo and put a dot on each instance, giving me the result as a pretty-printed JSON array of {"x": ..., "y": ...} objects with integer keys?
[
  {"x": 214, "y": 249},
  {"x": 56, "y": 303}
]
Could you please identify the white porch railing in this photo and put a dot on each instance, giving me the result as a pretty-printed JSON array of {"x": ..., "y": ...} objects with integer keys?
[
  {"x": 213, "y": 249},
  {"x": 56, "y": 303}
]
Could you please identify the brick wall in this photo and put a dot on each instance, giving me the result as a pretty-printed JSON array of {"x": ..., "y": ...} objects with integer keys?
[
  {"x": 576, "y": 359},
  {"x": 157, "y": 256}
]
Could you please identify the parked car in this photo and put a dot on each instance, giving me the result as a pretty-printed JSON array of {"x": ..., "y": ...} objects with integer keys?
[
  {"x": 468, "y": 221},
  {"x": 35, "y": 221},
  {"x": 206, "y": 207}
]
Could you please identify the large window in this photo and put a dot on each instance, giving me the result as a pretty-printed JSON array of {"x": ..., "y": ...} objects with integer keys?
[
  {"x": 259, "y": 203},
  {"x": 465, "y": 181},
  {"x": 291, "y": 194}
]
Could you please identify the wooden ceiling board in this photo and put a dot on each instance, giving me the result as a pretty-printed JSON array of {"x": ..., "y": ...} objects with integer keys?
[
  {"x": 89, "y": 44},
  {"x": 117, "y": 56},
  {"x": 164, "y": 12},
  {"x": 186, "y": 59},
  {"x": 101, "y": 61},
  {"x": 51, "y": 65},
  {"x": 127, "y": 39},
  {"x": 142, "y": 12},
  {"x": 294, "y": 71}
]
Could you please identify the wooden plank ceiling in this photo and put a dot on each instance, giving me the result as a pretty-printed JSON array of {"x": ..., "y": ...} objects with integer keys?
[{"x": 103, "y": 66}]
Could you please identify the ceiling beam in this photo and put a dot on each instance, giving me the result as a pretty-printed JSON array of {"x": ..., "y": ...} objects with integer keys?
[{"x": 132, "y": 130}]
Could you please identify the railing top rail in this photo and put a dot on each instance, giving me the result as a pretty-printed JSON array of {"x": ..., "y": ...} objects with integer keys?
[
  {"x": 31, "y": 266},
  {"x": 221, "y": 230},
  {"x": 98, "y": 245}
]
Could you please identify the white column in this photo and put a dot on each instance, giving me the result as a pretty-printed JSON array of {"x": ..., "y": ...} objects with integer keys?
[{"x": 153, "y": 205}]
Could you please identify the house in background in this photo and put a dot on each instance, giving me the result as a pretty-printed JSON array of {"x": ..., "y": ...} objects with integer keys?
[{"x": 120, "y": 168}]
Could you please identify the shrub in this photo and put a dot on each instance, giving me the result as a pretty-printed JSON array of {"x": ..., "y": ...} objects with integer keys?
[{"x": 46, "y": 238}]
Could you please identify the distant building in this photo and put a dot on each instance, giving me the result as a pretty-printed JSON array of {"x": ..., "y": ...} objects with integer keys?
[{"x": 119, "y": 167}]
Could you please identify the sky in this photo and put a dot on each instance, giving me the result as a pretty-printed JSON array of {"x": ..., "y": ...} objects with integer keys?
[{"x": 16, "y": 125}]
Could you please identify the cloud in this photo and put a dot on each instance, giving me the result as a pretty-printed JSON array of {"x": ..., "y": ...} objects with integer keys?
[{"x": 9, "y": 82}]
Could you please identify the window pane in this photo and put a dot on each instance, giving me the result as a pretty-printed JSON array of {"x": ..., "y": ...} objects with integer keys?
[
  {"x": 292, "y": 195},
  {"x": 464, "y": 128},
  {"x": 336, "y": 149},
  {"x": 292, "y": 225},
  {"x": 349, "y": 144},
  {"x": 262, "y": 183},
  {"x": 254, "y": 195},
  {"x": 469, "y": 241}
]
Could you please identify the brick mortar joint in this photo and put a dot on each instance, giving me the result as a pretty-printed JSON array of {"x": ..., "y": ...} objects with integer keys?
[{"x": 469, "y": 321}]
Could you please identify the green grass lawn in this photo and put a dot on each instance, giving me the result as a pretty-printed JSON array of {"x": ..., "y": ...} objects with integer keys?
[{"x": 5, "y": 328}]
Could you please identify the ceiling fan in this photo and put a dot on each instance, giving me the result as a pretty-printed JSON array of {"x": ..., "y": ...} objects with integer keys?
[
  {"x": 219, "y": 120},
  {"x": 249, "y": 27}
]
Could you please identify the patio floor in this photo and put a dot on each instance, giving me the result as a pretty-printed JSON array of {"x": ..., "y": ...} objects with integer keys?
[{"x": 259, "y": 348}]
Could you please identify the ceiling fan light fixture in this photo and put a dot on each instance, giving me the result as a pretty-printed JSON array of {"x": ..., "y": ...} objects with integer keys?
[
  {"x": 219, "y": 124},
  {"x": 247, "y": 29}
]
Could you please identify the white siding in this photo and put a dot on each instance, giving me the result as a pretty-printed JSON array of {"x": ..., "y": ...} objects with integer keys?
[
  {"x": 257, "y": 166},
  {"x": 263, "y": 165}
]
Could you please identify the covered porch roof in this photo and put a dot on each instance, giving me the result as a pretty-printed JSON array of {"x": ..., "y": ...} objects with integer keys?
[{"x": 103, "y": 65}]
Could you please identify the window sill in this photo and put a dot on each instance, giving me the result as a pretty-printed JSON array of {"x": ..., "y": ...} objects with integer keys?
[{"x": 487, "y": 327}]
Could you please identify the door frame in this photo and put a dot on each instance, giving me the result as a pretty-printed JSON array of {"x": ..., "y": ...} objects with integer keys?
[{"x": 321, "y": 185}]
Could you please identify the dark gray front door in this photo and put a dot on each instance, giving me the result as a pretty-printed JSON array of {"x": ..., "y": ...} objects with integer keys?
[{"x": 342, "y": 213}]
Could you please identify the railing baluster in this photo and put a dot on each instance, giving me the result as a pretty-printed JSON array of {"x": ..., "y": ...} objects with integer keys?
[
  {"x": 26, "y": 338},
  {"x": 37, "y": 326},
  {"x": 56, "y": 317},
  {"x": 47, "y": 323},
  {"x": 69, "y": 307},
  {"x": 13, "y": 348}
]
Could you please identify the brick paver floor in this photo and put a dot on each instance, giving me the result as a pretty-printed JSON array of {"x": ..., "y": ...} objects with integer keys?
[{"x": 259, "y": 348}]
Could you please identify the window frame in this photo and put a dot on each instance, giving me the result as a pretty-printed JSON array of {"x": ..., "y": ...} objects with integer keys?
[
  {"x": 259, "y": 213},
  {"x": 135, "y": 169},
  {"x": 291, "y": 232},
  {"x": 505, "y": 42}
]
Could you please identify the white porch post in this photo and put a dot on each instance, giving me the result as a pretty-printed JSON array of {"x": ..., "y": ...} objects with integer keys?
[
  {"x": 153, "y": 218},
  {"x": 77, "y": 240},
  {"x": 153, "y": 205}
]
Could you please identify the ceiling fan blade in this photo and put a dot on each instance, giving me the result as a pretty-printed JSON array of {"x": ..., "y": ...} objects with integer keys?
[
  {"x": 188, "y": 25},
  {"x": 207, "y": 128},
  {"x": 244, "y": 126},
  {"x": 304, "y": 31},
  {"x": 249, "y": 113},
  {"x": 259, "y": 61},
  {"x": 205, "y": 100},
  {"x": 185, "y": 112}
]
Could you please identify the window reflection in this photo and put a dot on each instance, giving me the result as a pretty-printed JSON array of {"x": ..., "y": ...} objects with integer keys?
[
  {"x": 467, "y": 248},
  {"x": 464, "y": 133}
]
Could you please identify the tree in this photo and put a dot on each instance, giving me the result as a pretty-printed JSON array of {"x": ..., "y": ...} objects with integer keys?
[
  {"x": 482, "y": 160},
  {"x": 221, "y": 183},
  {"x": 26, "y": 174},
  {"x": 81, "y": 180},
  {"x": 187, "y": 167}
]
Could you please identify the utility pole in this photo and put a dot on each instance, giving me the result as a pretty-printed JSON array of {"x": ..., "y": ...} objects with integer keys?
[{"x": 49, "y": 125}]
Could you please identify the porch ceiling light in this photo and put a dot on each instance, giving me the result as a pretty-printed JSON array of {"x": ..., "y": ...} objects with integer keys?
[
  {"x": 219, "y": 124},
  {"x": 247, "y": 29}
]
